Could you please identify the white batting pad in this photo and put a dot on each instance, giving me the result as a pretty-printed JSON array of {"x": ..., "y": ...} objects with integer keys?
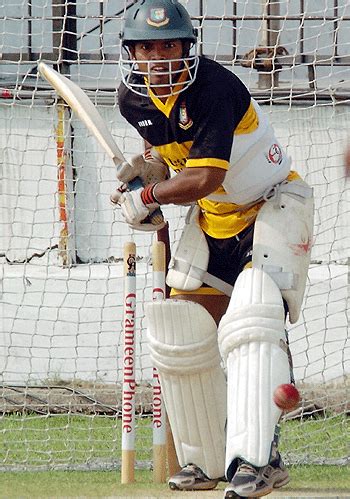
[
  {"x": 252, "y": 342},
  {"x": 183, "y": 345},
  {"x": 283, "y": 234}
]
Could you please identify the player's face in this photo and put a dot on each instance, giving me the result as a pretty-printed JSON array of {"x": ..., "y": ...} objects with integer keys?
[
  {"x": 161, "y": 61},
  {"x": 164, "y": 66}
]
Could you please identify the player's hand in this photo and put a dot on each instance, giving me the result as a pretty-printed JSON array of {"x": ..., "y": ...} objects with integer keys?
[
  {"x": 139, "y": 208},
  {"x": 133, "y": 208},
  {"x": 127, "y": 171},
  {"x": 149, "y": 167}
]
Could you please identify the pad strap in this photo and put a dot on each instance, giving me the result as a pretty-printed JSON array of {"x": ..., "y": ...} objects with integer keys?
[{"x": 214, "y": 282}]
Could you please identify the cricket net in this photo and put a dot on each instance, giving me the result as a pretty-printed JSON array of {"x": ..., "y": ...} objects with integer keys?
[{"x": 61, "y": 242}]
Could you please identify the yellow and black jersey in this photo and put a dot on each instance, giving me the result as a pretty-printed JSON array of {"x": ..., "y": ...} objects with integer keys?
[{"x": 196, "y": 128}]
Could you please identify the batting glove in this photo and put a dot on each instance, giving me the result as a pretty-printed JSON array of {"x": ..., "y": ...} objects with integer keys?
[
  {"x": 149, "y": 166},
  {"x": 140, "y": 208}
]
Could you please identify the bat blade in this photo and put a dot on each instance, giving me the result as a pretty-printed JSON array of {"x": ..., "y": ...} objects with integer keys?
[{"x": 83, "y": 107}]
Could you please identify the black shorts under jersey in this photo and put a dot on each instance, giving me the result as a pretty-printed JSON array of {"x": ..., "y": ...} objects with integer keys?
[{"x": 228, "y": 257}]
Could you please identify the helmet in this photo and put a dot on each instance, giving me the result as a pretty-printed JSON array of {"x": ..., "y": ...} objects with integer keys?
[{"x": 157, "y": 20}]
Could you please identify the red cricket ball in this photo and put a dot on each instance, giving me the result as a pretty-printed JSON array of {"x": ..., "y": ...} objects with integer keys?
[{"x": 286, "y": 396}]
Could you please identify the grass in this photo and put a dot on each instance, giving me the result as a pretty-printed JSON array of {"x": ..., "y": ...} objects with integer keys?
[
  {"x": 317, "y": 438},
  {"x": 304, "y": 479},
  {"x": 58, "y": 440},
  {"x": 44, "y": 442}
]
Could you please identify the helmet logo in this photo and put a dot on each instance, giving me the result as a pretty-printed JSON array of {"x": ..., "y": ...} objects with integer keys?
[
  {"x": 157, "y": 18},
  {"x": 185, "y": 121}
]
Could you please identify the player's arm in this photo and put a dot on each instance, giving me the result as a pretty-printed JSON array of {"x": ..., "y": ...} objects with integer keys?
[
  {"x": 186, "y": 187},
  {"x": 189, "y": 185},
  {"x": 147, "y": 145}
]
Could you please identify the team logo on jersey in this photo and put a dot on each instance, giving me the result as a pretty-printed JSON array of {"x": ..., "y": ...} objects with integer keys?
[
  {"x": 275, "y": 154},
  {"x": 185, "y": 121},
  {"x": 157, "y": 17}
]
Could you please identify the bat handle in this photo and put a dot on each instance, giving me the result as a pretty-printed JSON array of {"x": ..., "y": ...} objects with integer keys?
[
  {"x": 156, "y": 217},
  {"x": 135, "y": 183}
]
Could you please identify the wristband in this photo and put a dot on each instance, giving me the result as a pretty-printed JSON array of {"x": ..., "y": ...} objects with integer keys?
[{"x": 147, "y": 195}]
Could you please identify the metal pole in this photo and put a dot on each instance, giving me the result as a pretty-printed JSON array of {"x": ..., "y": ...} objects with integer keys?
[
  {"x": 269, "y": 38},
  {"x": 64, "y": 38}
]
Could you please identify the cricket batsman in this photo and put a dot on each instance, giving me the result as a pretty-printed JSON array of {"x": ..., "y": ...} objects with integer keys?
[{"x": 240, "y": 267}]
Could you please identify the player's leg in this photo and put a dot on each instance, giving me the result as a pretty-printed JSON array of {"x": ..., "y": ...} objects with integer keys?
[
  {"x": 198, "y": 255},
  {"x": 215, "y": 304},
  {"x": 253, "y": 343},
  {"x": 183, "y": 346},
  {"x": 223, "y": 255},
  {"x": 193, "y": 260}
]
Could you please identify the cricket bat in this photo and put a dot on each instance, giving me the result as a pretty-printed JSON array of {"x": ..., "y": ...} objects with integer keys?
[{"x": 83, "y": 107}]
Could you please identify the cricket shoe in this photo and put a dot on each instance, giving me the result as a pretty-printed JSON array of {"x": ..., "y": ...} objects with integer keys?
[
  {"x": 249, "y": 481},
  {"x": 192, "y": 478}
]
